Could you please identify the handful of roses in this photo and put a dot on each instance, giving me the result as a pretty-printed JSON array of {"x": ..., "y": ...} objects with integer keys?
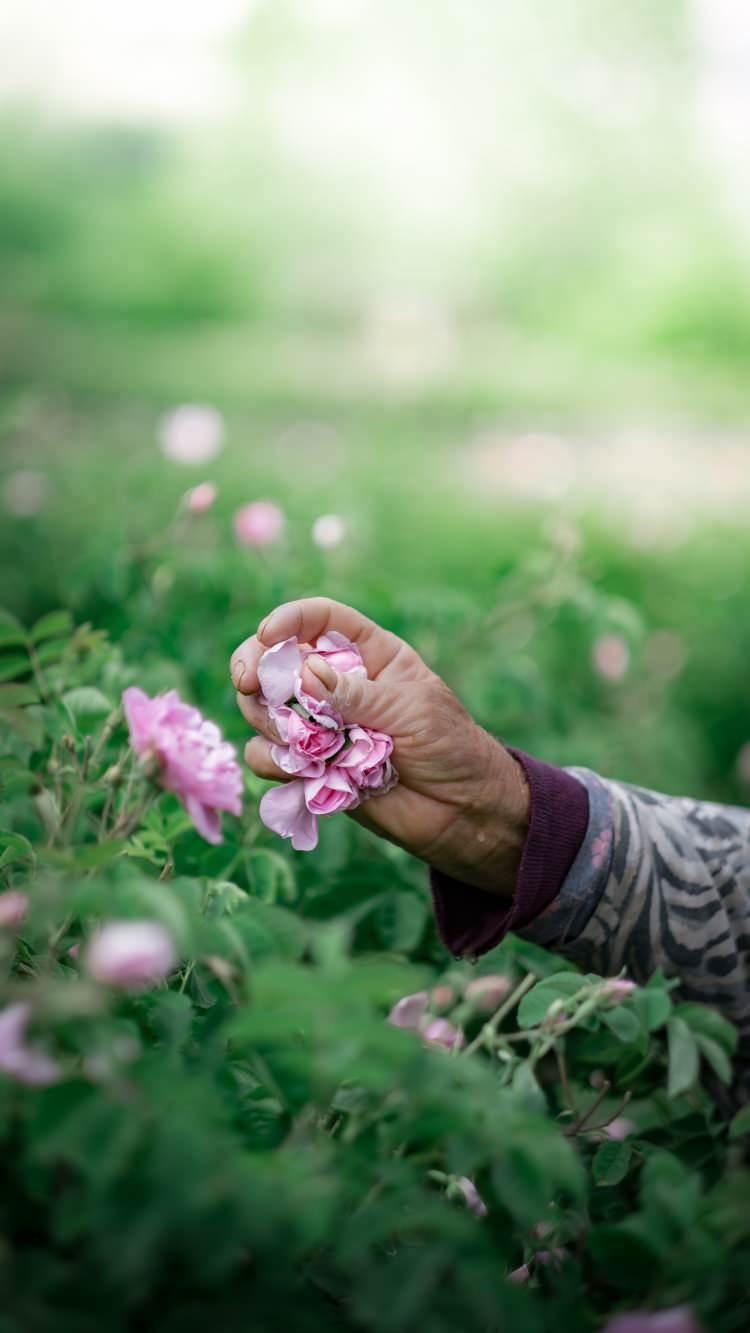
[{"x": 333, "y": 766}]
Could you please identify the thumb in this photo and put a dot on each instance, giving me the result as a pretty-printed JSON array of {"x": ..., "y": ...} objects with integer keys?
[{"x": 355, "y": 697}]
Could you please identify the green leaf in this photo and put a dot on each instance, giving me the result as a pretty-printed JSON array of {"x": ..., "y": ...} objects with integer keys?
[
  {"x": 535, "y": 1004},
  {"x": 400, "y": 918},
  {"x": 701, "y": 1019},
  {"x": 52, "y": 626},
  {"x": 14, "y": 664},
  {"x": 51, "y": 651},
  {"x": 17, "y": 848},
  {"x": 652, "y": 1006},
  {"x": 622, "y": 1022},
  {"x": 741, "y": 1123},
  {"x": 716, "y": 1056},
  {"x": 12, "y": 631},
  {"x": 683, "y": 1057},
  {"x": 86, "y": 702},
  {"x": 26, "y": 725},
  {"x": 18, "y": 696},
  {"x": 610, "y": 1165}
]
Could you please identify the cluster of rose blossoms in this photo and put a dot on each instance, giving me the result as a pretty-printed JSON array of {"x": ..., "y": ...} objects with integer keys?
[{"x": 333, "y": 765}]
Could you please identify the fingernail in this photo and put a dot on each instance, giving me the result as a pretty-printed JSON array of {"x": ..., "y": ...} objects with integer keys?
[
  {"x": 237, "y": 672},
  {"x": 324, "y": 672}
]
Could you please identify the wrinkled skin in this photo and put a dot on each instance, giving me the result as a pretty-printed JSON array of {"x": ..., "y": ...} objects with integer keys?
[{"x": 461, "y": 804}]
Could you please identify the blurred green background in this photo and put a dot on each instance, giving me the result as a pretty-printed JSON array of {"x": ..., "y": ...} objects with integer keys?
[{"x": 473, "y": 278}]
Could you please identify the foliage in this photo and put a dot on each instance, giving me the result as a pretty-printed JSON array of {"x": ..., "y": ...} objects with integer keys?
[{"x": 252, "y": 1141}]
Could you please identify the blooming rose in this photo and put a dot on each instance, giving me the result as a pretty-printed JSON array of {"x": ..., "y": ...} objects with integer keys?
[
  {"x": 194, "y": 761},
  {"x": 134, "y": 955},
  {"x": 28, "y": 1064},
  {"x": 280, "y": 678},
  {"x": 330, "y": 793},
  {"x": 308, "y": 744},
  {"x": 14, "y": 907},
  {"x": 259, "y": 524},
  {"x": 366, "y": 758}
]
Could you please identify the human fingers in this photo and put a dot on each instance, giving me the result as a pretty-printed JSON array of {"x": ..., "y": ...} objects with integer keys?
[
  {"x": 243, "y": 665},
  {"x": 310, "y": 617},
  {"x": 258, "y": 756},
  {"x": 258, "y": 716}
]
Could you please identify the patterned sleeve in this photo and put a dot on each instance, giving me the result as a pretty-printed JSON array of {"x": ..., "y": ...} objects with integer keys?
[{"x": 659, "y": 881}]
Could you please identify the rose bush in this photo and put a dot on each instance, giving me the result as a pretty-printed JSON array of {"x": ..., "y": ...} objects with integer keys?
[{"x": 205, "y": 1113}]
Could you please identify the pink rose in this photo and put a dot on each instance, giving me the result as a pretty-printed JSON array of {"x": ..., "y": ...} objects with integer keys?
[
  {"x": 340, "y": 653},
  {"x": 133, "y": 955},
  {"x": 259, "y": 524},
  {"x": 520, "y": 1275},
  {"x": 201, "y": 498},
  {"x": 618, "y": 989},
  {"x": 409, "y": 1011},
  {"x": 442, "y": 1033},
  {"x": 284, "y": 810},
  {"x": 308, "y": 744},
  {"x": 620, "y": 1128},
  {"x": 486, "y": 993},
  {"x": 14, "y": 907},
  {"x": 474, "y": 1201},
  {"x": 29, "y": 1064},
  {"x": 366, "y": 758},
  {"x": 280, "y": 679},
  {"x": 195, "y": 762},
  {"x": 330, "y": 793}
]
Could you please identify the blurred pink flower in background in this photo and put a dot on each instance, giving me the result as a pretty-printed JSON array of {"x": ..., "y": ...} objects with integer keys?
[
  {"x": 521, "y": 1274},
  {"x": 620, "y": 1128},
  {"x": 14, "y": 907},
  {"x": 192, "y": 433},
  {"x": 474, "y": 1201},
  {"x": 258, "y": 524},
  {"x": 134, "y": 955},
  {"x": 618, "y": 988},
  {"x": 25, "y": 493},
  {"x": 28, "y": 1064},
  {"x": 679, "y": 1319},
  {"x": 440, "y": 1032},
  {"x": 195, "y": 762},
  {"x": 486, "y": 993},
  {"x": 328, "y": 531},
  {"x": 201, "y": 498},
  {"x": 611, "y": 657},
  {"x": 409, "y": 1011}
]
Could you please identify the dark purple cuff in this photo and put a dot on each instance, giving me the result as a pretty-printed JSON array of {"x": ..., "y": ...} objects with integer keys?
[{"x": 472, "y": 920}]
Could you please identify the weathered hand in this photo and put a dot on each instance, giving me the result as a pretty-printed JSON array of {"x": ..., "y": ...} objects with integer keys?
[{"x": 461, "y": 804}]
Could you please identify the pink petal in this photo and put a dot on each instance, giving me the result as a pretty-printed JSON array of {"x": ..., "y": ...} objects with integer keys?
[
  {"x": 283, "y": 810},
  {"x": 278, "y": 672},
  {"x": 409, "y": 1011},
  {"x": 206, "y": 820}
]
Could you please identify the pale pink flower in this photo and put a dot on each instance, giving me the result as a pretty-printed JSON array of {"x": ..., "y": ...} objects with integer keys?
[
  {"x": 259, "y": 524},
  {"x": 332, "y": 792},
  {"x": 618, "y": 989},
  {"x": 486, "y": 993},
  {"x": 679, "y": 1319},
  {"x": 474, "y": 1201},
  {"x": 443, "y": 997},
  {"x": 29, "y": 1064},
  {"x": 440, "y": 1032},
  {"x": 340, "y": 653},
  {"x": 14, "y": 907},
  {"x": 620, "y": 1128},
  {"x": 201, "y": 498},
  {"x": 521, "y": 1274},
  {"x": 280, "y": 679},
  {"x": 366, "y": 758},
  {"x": 195, "y": 762},
  {"x": 308, "y": 744},
  {"x": 328, "y": 531},
  {"x": 284, "y": 810},
  {"x": 134, "y": 955},
  {"x": 611, "y": 656},
  {"x": 409, "y": 1011},
  {"x": 192, "y": 433}
]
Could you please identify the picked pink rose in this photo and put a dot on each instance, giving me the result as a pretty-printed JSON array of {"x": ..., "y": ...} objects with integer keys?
[
  {"x": 367, "y": 757},
  {"x": 194, "y": 761}
]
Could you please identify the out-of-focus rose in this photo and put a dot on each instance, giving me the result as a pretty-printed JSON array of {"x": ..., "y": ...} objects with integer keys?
[
  {"x": 521, "y": 1274},
  {"x": 328, "y": 531},
  {"x": 195, "y": 762},
  {"x": 443, "y": 997},
  {"x": 679, "y": 1319},
  {"x": 201, "y": 498},
  {"x": 611, "y": 657},
  {"x": 259, "y": 524},
  {"x": 133, "y": 955},
  {"x": 409, "y": 1011},
  {"x": 620, "y": 1128},
  {"x": 25, "y": 493},
  {"x": 192, "y": 433},
  {"x": 618, "y": 988},
  {"x": 486, "y": 993},
  {"x": 367, "y": 757},
  {"x": 29, "y": 1064},
  {"x": 330, "y": 793},
  {"x": 440, "y": 1032},
  {"x": 284, "y": 810},
  {"x": 474, "y": 1201},
  {"x": 14, "y": 907}
]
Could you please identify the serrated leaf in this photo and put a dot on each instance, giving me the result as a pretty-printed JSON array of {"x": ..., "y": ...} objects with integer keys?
[
  {"x": 740, "y": 1124},
  {"x": 52, "y": 626},
  {"x": 86, "y": 701},
  {"x": 683, "y": 1057},
  {"x": 611, "y": 1162}
]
